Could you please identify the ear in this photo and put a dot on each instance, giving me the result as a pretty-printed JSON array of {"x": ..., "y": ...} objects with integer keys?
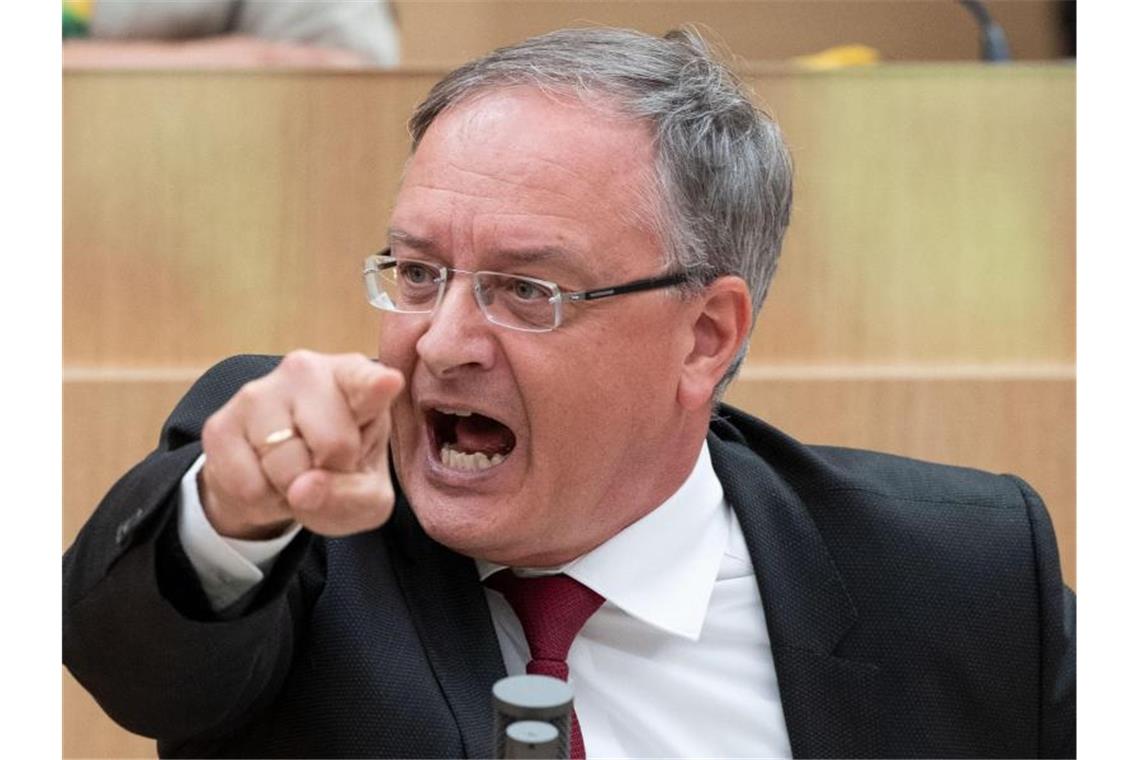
[{"x": 721, "y": 320}]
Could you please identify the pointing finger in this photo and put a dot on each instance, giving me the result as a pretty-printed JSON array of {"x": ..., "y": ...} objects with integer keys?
[{"x": 368, "y": 386}]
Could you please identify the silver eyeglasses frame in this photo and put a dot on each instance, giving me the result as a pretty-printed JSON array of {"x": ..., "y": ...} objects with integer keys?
[{"x": 376, "y": 264}]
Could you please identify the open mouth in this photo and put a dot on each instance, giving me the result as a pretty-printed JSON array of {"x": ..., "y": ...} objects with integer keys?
[{"x": 469, "y": 441}]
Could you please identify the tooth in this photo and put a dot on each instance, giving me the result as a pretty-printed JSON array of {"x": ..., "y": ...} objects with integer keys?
[
  {"x": 461, "y": 460},
  {"x": 456, "y": 412}
]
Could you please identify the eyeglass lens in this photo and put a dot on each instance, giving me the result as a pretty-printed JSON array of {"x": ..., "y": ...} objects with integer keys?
[{"x": 508, "y": 300}]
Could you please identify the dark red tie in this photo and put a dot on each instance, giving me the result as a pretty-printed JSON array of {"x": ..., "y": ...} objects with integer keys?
[{"x": 552, "y": 609}]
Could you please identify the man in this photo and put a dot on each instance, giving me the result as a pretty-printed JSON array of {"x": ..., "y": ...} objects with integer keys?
[{"x": 333, "y": 556}]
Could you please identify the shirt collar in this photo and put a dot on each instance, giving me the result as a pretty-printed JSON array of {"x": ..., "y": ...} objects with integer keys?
[{"x": 662, "y": 568}]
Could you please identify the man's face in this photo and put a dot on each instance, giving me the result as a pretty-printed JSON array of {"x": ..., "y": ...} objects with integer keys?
[{"x": 585, "y": 417}]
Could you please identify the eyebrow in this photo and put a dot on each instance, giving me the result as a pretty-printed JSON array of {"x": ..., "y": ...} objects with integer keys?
[{"x": 423, "y": 245}]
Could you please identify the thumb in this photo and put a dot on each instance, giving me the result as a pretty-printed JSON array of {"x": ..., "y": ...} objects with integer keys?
[{"x": 341, "y": 503}]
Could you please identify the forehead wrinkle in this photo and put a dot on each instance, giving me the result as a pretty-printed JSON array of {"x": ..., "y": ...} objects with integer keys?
[
  {"x": 549, "y": 188},
  {"x": 527, "y": 256},
  {"x": 479, "y": 194},
  {"x": 531, "y": 214}
]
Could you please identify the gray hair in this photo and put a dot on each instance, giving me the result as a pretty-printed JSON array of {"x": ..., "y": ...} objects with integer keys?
[{"x": 722, "y": 171}]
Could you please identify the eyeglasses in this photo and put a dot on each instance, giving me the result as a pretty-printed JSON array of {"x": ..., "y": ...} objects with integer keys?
[{"x": 406, "y": 286}]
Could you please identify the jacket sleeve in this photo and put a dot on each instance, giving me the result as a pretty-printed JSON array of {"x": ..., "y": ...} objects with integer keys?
[
  {"x": 138, "y": 632},
  {"x": 1058, "y": 636}
]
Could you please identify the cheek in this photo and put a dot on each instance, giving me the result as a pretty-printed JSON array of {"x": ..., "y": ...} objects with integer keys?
[
  {"x": 635, "y": 387},
  {"x": 583, "y": 407},
  {"x": 397, "y": 350},
  {"x": 397, "y": 346}
]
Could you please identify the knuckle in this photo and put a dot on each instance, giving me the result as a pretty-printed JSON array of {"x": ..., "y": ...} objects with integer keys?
[
  {"x": 299, "y": 361},
  {"x": 248, "y": 394},
  {"x": 212, "y": 430}
]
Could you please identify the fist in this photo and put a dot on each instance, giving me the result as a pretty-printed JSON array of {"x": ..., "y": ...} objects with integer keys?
[{"x": 307, "y": 443}]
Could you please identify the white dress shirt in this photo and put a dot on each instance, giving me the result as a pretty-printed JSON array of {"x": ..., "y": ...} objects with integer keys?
[
  {"x": 226, "y": 567},
  {"x": 676, "y": 663}
]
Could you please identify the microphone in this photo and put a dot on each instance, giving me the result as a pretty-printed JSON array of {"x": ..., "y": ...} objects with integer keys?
[
  {"x": 523, "y": 701},
  {"x": 994, "y": 45}
]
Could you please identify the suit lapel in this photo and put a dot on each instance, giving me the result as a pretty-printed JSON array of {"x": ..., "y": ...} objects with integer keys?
[
  {"x": 449, "y": 610},
  {"x": 829, "y": 702}
]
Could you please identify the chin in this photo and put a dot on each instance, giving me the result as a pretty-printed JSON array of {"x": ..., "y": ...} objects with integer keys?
[{"x": 467, "y": 525}]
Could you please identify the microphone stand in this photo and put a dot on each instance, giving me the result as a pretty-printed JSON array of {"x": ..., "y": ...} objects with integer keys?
[{"x": 995, "y": 47}]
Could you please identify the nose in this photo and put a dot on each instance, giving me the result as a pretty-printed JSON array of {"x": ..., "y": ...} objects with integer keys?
[{"x": 458, "y": 337}]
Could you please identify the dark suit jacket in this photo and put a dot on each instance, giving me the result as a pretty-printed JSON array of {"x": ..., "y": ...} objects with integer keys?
[{"x": 914, "y": 610}]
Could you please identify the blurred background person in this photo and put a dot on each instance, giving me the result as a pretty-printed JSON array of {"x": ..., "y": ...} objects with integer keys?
[{"x": 229, "y": 33}]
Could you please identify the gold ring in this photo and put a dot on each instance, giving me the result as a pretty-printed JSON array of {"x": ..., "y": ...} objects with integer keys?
[{"x": 276, "y": 438}]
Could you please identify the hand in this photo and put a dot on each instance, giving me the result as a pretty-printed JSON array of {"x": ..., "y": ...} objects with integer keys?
[{"x": 331, "y": 476}]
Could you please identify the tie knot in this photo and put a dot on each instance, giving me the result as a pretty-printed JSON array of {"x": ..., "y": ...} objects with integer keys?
[{"x": 551, "y": 608}]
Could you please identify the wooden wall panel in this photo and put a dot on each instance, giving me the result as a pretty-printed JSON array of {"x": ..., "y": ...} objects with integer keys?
[
  {"x": 448, "y": 32},
  {"x": 934, "y": 218}
]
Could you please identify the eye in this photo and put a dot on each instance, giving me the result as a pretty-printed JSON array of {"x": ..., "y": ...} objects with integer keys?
[
  {"x": 525, "y": 290},
  {"x": 415, "y": 273}
]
